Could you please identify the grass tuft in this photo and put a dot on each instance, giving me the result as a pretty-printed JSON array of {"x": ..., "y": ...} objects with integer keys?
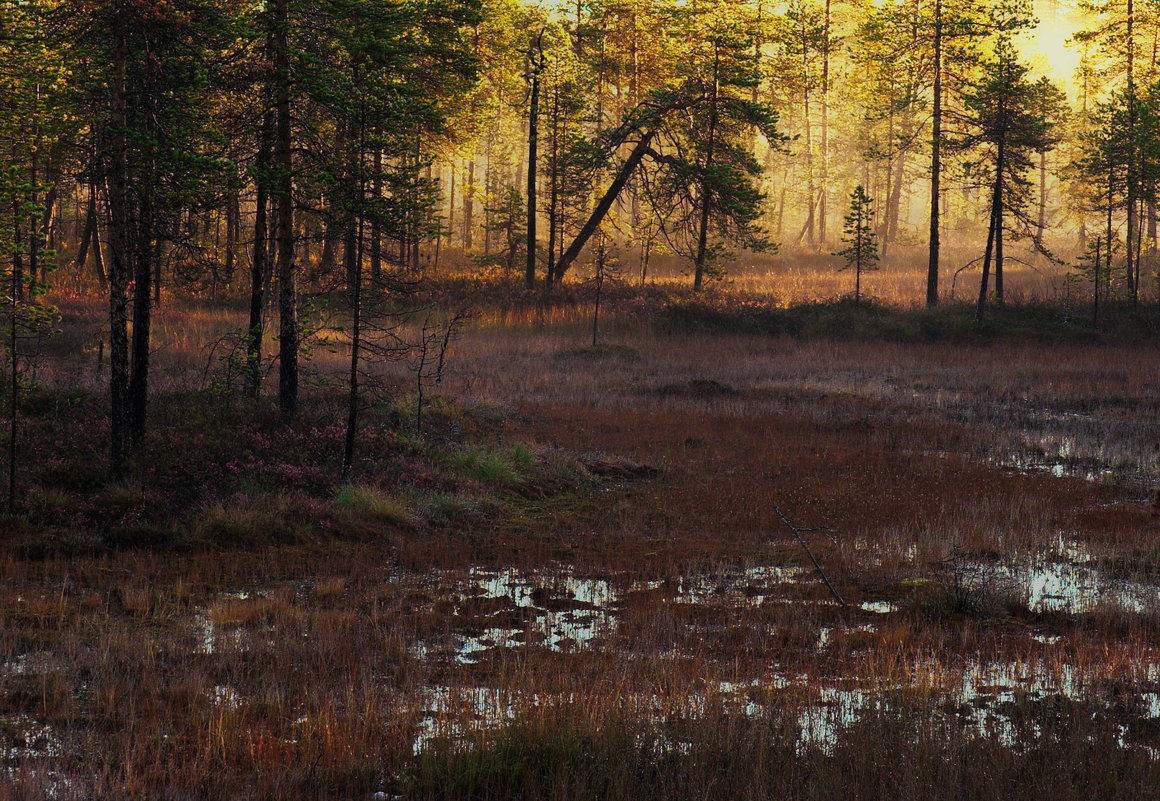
[
  {"x": 375, "y": 503},
  {"x": 497, "y": 468}
]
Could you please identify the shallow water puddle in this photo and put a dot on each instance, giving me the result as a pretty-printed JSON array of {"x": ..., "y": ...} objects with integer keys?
[
  {"x": 984, "y": 695},
  {"x": 456, "y": 711},
  {"x": 214, "y": 638},
  {"x": 1068, "y": 580},
  {"x": 561, "y": 612},
  {"x": 509, "y": 608},
  {"x": 1065, "y": 457},
  {"x": 826, "y": 633},
  {"x": 743, "y": 586}
]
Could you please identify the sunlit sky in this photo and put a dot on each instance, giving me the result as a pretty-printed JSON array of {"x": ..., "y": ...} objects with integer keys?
[{"x": 1046, "y": 46}]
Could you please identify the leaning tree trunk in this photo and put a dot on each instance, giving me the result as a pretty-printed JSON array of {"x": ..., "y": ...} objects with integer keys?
[
  {"x": 593, "y": 224},
  {"x": 983, "y": 283}
]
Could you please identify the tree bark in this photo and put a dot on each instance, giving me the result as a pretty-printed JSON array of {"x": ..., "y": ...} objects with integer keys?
[
  {"x": 376, "y": 223},
  {"x": 1133, "y": 176},
  {"x": 593, "y": 223},
  {"x": 87, "y": 234},
  {"x": 233, "y": 225},
  {"x": 120, "y": 249},
  {"x": 1042, "y": 221},
  {"x": 468, "y": 205},
  {"x": 999, "y": 229},
  {"x": 259, "y": 262},
  {"x": 825, "y": 143},
  {"x": 935, "y": 163},
  {"x": 535, "y": 66},
  {"x": 355, "y": 288},
  {"x": 284, "y": 203},
  {"x": 706, "y": 189},
  {"x": 983, "y": 283}
]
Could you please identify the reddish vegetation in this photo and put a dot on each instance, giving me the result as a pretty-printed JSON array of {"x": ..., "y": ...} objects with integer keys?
[{"x": 305, "y": 647}]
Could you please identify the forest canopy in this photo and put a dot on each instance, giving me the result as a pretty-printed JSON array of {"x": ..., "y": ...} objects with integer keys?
[{"x": 286, "y": 150}]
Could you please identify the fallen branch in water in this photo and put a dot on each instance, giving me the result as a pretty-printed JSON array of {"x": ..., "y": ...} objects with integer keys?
[{"x": 797, "y": 535}]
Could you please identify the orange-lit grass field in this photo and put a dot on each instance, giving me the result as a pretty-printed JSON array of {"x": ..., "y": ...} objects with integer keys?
[{"x": 574, "y": 584}]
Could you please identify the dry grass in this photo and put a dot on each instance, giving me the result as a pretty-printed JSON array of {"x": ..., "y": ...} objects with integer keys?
[{"x": 334, "y": 667}]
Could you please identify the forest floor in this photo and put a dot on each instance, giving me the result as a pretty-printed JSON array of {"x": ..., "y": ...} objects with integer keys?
[{"x": 573, "y": 582}]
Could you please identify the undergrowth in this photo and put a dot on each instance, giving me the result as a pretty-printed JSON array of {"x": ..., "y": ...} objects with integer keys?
[{"x": 216, "y": 472}]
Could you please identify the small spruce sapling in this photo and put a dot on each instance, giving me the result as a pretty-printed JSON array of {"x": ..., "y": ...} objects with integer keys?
[
  {"x": 861, "y": 251},
  {"x": 507, "y": 220},
  {"x": 1089, "y": 270}
]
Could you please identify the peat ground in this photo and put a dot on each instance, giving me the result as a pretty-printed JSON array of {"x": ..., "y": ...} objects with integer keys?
[{"x": 574, "y": 584}]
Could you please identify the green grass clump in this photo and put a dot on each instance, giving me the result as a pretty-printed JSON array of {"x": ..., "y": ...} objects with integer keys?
[
  {"x": 498, "y": 468},
  {"x": 272, "y": 520},
  {"x": 448, "y": 507},
  {"x": 374, "y": 503}
]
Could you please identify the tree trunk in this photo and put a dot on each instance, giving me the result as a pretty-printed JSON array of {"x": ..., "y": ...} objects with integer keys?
[
  {"x": 233, "y": 224},
  {"x": 935, "y": 163},
  {"x": 355, "y": 355},
  {"x": 1151, "y": 212},
  {"x": 120, "y": 241},
  {"x": 47, "y": 223},
  {"x": 18, "y": 252},
  {"x": 593, "y": 223},
  {"x": 1042, "y": 221},
  {"x": 451, "y": 207},
  {"x": 87, "y": 235},
  {"x": 999, "y": 230},
  {"x": 1108, "y": 232},
  {"x": 259, "y": 262},
  {"x": 14, "y": 373},
  {"x": 34, "y": 197},
  {"x": 884, "y": 218},
  {"x": 808, "y": 228},
  {"x": 825, "y": 143},
  {"x": 985, "y": 280},
  {"x": 554, "y": 186},
  {"x": 143, "y": 263},
  {"x": 284, "y": 203},
  {"x": 1096, "y": 287},
  {"x": 1132, "y": 267},
  {"x": 356, "y": 312},
  {"x": 894, "y": 203},
  {"x": 535, "y": 67},
  {"x": 983, "y": 283},
  {"x": 349, "y": 250},
  {"x": 376, "y": 223},
  {"x": 328, "y": 259},
  {"x": 706, "y": 189},
  {"x": 468, "y": 205}
]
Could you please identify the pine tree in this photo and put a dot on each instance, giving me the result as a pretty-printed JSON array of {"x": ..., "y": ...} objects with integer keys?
[
  {"x": 1008, "y": 130},
  {"x": 861, "y": 251},
  {"x": 148, "y": 90}
]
